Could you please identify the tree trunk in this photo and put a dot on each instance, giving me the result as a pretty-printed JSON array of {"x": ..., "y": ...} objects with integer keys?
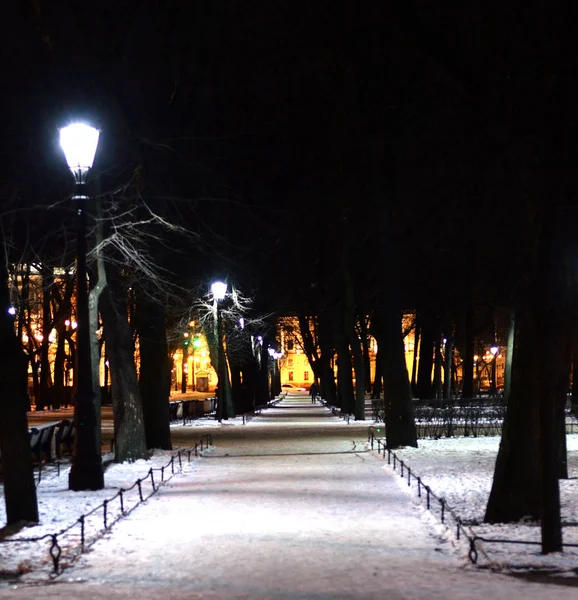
[
  {"x": 249, "y": 386},
  {"x": 574, "y": 397},
  {"x": 416, "y": 341},
  {"x": 378, "y": 379},
  {"x": 309, "y": 344},
  {"x": 154, "y": 378},
  {"x": 18, "y": 474},
  {"x": 468, "y": 363},
  {"x": 516, "y": 489},
  {"x": 44, "y": 391},
  {"x": 129, "y": 432},
  {"x": 437, "y": 383},
  {"x": 236, "y": 389},
  {"x": 365, "y": 350},
  {"x": 509, "y": 355},
  {"x": 59, "y": 368},
  {"x": 344, "y": 373},
  {"x": 263, "y": 374},
  {"x": 60, "y": 391},
  {"x": 399, "y": 418},
  {"x": 358, "y": 366},
  {"x": 542, "y": 349},
  {"x": 426, "y": 352},
  {"x": 448, "y": 368},
  {"x": 328, "y": 388},
  {"x": 556, "y": 293}
]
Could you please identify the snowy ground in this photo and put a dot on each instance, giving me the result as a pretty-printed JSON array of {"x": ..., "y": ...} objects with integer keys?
[
  {"x": 290, "y": 505},
  {"x": 460, "y": 470}
]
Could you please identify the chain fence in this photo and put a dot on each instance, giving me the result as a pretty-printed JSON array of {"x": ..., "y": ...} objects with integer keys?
[
  {"x": 438, "y": 506},
  {"x": 66, "y": 545}
]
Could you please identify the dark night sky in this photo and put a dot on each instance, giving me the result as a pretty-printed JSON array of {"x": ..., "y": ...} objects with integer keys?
[{"x": 407, "y": 120}]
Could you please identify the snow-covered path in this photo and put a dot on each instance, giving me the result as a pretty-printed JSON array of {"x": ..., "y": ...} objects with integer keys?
[{"x": 289, "y": 506}]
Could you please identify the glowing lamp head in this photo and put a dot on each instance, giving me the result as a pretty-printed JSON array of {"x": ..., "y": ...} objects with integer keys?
[
  {"x": 79, "y": 142},
  {"x": 271, "y": 352},
  {"x": 197, "y": 343},
  {"x": 219, "y": 290},
  {"x": 494, "y": 350}
]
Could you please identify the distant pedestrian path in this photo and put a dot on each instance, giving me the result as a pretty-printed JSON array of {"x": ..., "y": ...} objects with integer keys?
[{"x": 291, "y": 505}]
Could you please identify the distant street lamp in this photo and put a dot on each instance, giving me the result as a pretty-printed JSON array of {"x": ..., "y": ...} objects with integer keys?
[
  {"x": 219, "y": 290},
  {"x": 79, "y": 143},
  {"x": 274, "y": 372},
  {"x": 196, "y": 346},
  {"x": 493, "y": 387},
  {"x": 184, "y": 362}
]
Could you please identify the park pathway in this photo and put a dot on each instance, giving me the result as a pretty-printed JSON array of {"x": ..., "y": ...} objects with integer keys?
[{"x": 291, "y": 505}]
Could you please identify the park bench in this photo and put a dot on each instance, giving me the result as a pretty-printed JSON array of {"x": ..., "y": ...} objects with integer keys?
[
  {"x": 173, "y": 410},
  {"x": 64, "y": 436},
  {"x": 191, "y": 409},
  {"x": 41, "y": 440}
]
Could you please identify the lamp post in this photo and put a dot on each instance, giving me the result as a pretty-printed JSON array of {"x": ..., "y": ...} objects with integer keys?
[
  {"x": 196, "y": 346},
  {"x": 184, "y": 362},
  {"x": 79, "y": 143},
  {"x": 494, "y": 352},
  {"x": 272, "y": 354},
  {"x": 219, "y": 289}
]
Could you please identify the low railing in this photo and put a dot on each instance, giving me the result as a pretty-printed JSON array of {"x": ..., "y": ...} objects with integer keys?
[
  {"x": 248, "y": 416},
  {"x": 336, "y": 411},
  {"x": 470, "y": 417},
  {"x": 433, "y": 502},
  {"x": 87, "y": 528}
]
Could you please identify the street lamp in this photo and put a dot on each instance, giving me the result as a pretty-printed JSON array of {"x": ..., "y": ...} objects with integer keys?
[
  {"x": 79, "y": 143},
  {"x": 196, "y": 346},
  {"x": 184, "y": 362},
  {"x": 494, "y": 352},
  {"x": 219, "y": 290},
  {"x": 275, "y": 373}
]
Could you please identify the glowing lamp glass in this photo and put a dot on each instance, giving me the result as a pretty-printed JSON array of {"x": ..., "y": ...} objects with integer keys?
[
  {"x": 79, "y": 142},
  {"x": 219, "y": 290}
]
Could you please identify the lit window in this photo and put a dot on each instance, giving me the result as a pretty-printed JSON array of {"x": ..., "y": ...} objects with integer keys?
[
  {"x": 290, "y": 361},
  {"x": 290, "y": 375}
]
